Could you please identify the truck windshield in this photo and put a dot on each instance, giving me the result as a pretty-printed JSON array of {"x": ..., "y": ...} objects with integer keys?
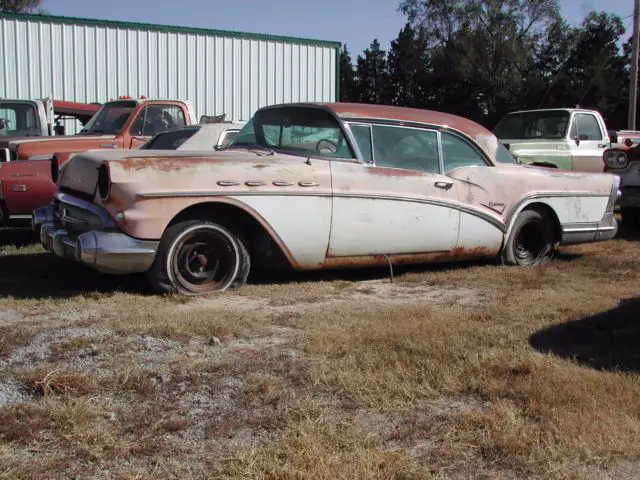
[
  {"x": 549, "y": 124},
  {"x": 110, "y": 119},
  {"x": 19, "y": 120}
]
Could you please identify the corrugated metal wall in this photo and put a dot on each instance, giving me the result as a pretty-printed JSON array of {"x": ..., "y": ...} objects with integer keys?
[{"x": 219, "y": 72}]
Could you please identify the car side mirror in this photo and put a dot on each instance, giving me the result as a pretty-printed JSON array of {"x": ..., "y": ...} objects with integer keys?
[
  {"x": 613, "y": 136},
  {"x": 577, "y": 140},
  {"x": 59, "y": 129},
  {"x": 3, "y": 124}
]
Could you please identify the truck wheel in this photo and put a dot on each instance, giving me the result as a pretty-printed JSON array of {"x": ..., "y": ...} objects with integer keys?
[
  {"x": 630, "y": 216},
  {"x": 531, "y": 241},
  {"x": 199, "y": 257}
]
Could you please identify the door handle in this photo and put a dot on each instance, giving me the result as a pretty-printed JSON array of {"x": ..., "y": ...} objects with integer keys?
[
  {"x": 444, "y": 185},
  {"x": 602, "y": 145},
  {"x": 19, "y": 188}
]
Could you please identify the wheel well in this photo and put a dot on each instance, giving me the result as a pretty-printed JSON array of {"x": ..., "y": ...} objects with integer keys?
[
  {"x": 263, "y": 249},
  {"x": 550, "y": 213}
]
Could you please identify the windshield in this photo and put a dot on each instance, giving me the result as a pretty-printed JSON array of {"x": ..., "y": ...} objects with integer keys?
[
  {"x": 110, "y": 119},
  {"x": 551, "y": 124},
  {"x": 19, "y": 120},
  {"x": 298, "y": 130}
]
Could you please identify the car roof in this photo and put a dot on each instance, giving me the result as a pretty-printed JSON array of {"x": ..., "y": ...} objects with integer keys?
[{"x": 360, "y": 111}]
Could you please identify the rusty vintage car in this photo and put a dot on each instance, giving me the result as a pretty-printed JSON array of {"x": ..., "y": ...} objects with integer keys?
[{"x": 318, "y": 186}]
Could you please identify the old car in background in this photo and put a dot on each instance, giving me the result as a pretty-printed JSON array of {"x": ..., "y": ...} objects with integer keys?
[
  {"x": 208, "y": 136},
  {"x": 319, "y": 186},
  {"x": 564, "y": 138},
  {"x": 25, "y": 180},
  {"x": 624, "y": 161}
]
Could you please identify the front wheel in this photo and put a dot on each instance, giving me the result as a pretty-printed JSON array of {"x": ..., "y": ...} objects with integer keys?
[
  {"x": 199, "y": 257},
  {"x": 531, "y": 241}
]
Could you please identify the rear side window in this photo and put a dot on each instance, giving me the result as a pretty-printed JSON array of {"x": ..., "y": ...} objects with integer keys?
[{"x": 457, "y": 153}]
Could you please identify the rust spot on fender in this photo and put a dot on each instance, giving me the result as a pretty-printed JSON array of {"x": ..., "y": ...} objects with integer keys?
[{"x": 164, "y": 164}]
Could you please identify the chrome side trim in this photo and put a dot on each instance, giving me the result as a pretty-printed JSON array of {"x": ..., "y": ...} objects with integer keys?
[{"x": 496, "y": 221}]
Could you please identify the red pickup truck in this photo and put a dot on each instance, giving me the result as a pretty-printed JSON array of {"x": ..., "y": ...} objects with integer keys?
[{"x": 25, "y": 176}]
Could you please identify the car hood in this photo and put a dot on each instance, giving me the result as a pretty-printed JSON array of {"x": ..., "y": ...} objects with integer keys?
[{"x": 162, "y": 169}]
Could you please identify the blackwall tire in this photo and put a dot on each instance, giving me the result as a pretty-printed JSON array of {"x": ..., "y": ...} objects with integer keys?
[
  {"x": 531, "y": 241},
  {"x": 197, "y": 257}
]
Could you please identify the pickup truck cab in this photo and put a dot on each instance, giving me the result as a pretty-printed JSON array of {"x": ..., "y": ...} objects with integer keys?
[
  {"x": 39, "y": 118},
  {"x": 25, "y": 179},
  {"x": 564, "y": 138}
]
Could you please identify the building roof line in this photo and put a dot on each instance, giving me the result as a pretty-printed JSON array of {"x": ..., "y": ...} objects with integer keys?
[{"x": 166, "y": 28}]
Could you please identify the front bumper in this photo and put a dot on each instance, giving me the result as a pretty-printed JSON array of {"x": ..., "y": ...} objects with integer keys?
[{"x": 104, "y": 249}]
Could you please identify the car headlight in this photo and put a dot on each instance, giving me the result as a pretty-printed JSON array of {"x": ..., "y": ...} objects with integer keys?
[{"x": 615, "y": 159}]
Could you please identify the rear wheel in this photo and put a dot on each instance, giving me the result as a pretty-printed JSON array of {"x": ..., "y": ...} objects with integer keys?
[
  {"x": 630, "y": 216},
  {"x": 199, "y": 257},
  {"x": 531, "y": 241}
]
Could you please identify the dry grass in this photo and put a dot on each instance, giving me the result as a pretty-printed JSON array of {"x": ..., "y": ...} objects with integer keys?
[{"x": 461, "y": 371}]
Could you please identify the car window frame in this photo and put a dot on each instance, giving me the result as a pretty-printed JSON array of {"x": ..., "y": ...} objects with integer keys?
[{"x": 144, "y": 109}]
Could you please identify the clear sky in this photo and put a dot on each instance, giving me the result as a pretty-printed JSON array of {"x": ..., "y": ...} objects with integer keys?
[{"x": 354, "y": 22}]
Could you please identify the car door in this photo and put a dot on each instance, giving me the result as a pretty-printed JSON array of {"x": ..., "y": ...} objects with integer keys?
[
  {"x": 588, "y": 149},
  {"x": 154, "y": 119},
  {"x": 399, "y": 203}
]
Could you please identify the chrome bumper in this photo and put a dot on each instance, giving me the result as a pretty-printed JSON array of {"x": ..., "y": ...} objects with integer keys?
[{"x": 107, "y": 252}]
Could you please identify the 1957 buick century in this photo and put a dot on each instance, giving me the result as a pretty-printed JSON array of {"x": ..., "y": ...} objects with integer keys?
[{"x": 317, "y": 186}]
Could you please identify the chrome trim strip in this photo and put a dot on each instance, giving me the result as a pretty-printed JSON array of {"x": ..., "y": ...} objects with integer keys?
[
  {"x": 255, "y": 183},
  {"x": 496, "y": 221},
  {"x": 282, "y": 183},
  {"x": 308, "y": 184},
  {"x": 227, "y": 183},
  {"x": 485, "y": 216},
  {"x": 20, "y": 217}
]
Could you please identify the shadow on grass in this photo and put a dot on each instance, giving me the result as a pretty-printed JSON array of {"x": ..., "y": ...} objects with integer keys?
[
  {"x": 42, "y": 275},
  {"x": 17, "y": 237},
  {"x": 627, "y": 232},
  {"x": 606, "y": 341}
]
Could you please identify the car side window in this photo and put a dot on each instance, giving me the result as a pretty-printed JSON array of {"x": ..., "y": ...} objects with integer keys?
[
  {"x": 154, "y": 119},
  {"x": 362, "y": 136},
  {"x": 585, "y": 126},
  {"x": 408, "y": 148},
  {"x": 457, "y": 152}
]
